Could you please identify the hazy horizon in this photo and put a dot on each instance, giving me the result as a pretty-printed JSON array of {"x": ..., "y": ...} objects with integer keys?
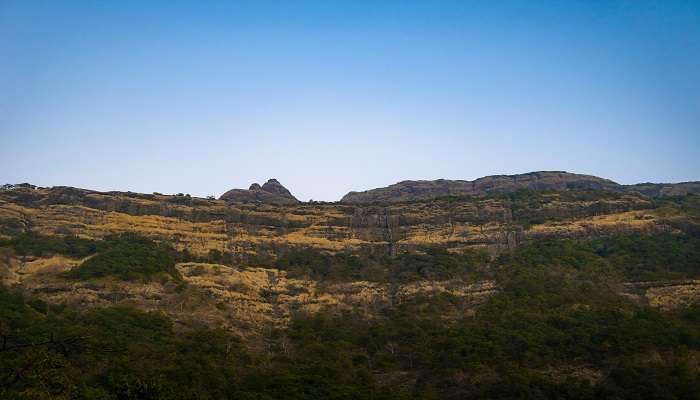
[{"x": 332, "y": 97}]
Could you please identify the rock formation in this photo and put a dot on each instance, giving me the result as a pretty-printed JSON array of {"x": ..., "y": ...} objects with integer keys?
[{"x": 271, "y": 192}]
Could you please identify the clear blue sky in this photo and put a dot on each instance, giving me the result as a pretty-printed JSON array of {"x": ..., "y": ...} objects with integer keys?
[{"x": 332, "y": 96}]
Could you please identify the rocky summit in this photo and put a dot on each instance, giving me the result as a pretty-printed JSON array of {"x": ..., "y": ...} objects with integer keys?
[
  {"x": 503, "y": 184},
  {"x": 271, "y": 192}
]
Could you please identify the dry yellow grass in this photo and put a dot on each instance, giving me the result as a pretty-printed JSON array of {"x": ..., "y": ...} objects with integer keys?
[{"x": 631, "y": 220}]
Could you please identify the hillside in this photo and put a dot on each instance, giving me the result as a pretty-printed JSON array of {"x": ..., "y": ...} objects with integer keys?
[{"x": 547, "y": 286}]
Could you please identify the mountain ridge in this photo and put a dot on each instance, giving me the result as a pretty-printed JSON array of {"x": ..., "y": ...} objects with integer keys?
[
  {"x": 273, "y": 192},
  {"x": 416, "y": 190}
]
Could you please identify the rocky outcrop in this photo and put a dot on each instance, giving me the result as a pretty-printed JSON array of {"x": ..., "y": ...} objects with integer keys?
[
  {"x": 504, "y": 184},
  {"x": 271, "y": 192}
]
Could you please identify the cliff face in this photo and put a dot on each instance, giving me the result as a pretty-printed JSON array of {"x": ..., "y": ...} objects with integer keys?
[
  {"x": 271, "y": 192},
  {"x": 503, "y": 184}
]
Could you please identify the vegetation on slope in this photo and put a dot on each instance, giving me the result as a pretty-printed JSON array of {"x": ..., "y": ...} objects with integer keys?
[
  {"x": 121, "y": 353},
  {"x": 32, "y": 244},
  {"x": 556, "y": 329},
  {"x": 633, "y": 257},
  {"x": 127, "y": 257},
  {"x": 433, "y": 263}
]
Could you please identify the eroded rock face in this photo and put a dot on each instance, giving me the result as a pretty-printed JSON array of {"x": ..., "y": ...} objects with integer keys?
[{"x": 271, "y": 192}]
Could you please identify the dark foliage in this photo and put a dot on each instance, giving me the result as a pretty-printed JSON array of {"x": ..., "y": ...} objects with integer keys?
[
  {"x": 556, "y": 312},
  {"x": 318, "y": 265},
  {"x": 122, "y": 353},
  {"x": 32, "y": 244},
  {"x": 557, "y": 329},
  {"x": 633, "y": 257},
  {"x": 433, "y": 263},
  {"x": 642, "y": 257},
  {"x": 436, "y": 264},
  {"x": 127, "y": 257}
]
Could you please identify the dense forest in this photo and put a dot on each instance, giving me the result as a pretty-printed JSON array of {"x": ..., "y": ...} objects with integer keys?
[{"x": 556, "y": 329}]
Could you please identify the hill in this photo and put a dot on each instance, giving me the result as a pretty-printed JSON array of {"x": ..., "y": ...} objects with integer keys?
[{"x": 569, "y": 287}]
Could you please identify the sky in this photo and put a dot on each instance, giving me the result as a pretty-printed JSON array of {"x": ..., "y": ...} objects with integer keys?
[{"x": 331, "y": 96}]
